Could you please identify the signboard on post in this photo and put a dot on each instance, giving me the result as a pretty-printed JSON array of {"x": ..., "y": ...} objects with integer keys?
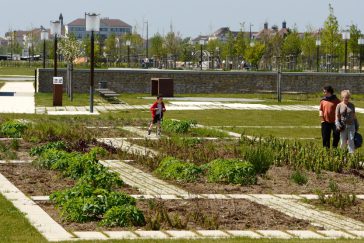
[
  {"x": 57, "y": 91},
  {"x": 57, "y": 80}
]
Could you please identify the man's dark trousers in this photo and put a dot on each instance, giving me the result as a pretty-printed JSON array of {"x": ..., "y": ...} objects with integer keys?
[{"x": 326, "y": 128}]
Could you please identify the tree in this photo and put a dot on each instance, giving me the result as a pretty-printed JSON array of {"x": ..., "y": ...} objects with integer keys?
[
  {"x": 308, "y": 47},
  {"x": 172, "y": 44},
  {"x": 156, "y": 47},
  {"x": 292, "y": 44},
  {"x": 355, "y": 34},
  {"x": 110, "y": 47},
  {"x": 254, "y": 53},
  {"x": 330, "y": 33},
  {"x": 240, "y": 45}
]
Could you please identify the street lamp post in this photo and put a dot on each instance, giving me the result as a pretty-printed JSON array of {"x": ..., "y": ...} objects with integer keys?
[
  {"x": 57, "y": 88},
  {"x": 128, "y": 43},
  {"x": 44, "y": 37},
  {"x": 29, "y": 49},
  {"x": 361, "y": 44},
  {"x": 92, "y": 24},
  {"x": 202, "y": 43},
  {"x": 346, "y": 37},
  {"x": 318, "y": 44}
]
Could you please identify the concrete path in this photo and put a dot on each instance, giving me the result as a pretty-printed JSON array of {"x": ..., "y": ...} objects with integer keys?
[
  {"x": 21, "y": 102},
  {"x": 208, "y": 99},
  {"x": 121, "y": 143}
]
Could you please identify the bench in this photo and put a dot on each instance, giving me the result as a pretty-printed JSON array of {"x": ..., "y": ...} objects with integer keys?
[{"x": 109, "y": 95}]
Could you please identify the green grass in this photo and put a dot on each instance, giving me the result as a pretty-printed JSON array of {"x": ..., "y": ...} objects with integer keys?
[
  {"x": 17, "y": 71},
  {"x": 46, "y": 99}
]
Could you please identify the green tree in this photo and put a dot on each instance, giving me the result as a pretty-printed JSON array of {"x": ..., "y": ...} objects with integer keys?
[
  {"x": 292, "y": 44},
  {"x": 330, "y": 36},
  {"x": 70, "y": 48},
  {"x": 254, "y": 53},
  {"x": 172, "y": 44},
  {"x": 240, "y": 44},
  {"x": 355, "y": 34},
  {"x": 309, "y": 49},
  {"x": 110, "y": 47}
]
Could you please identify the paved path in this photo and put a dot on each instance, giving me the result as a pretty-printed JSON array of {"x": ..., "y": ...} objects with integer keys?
[
  {"x": 21, "y": 102},
  {"x": 207, "y": 99},
  {"x": 121, "y": 143}
]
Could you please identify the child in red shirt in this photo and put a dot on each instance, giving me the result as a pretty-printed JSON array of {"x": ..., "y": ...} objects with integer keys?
[{"x": 157, "y": 110}]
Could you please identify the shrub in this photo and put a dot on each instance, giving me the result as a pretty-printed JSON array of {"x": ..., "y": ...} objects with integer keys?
[
  {"x": 50, "y": 157},
  {"x": 337, "y": 199},
  {"x": 123, "y": 216},
  {"x": 173, "y": 169},
  {"x": 13, "y": 129},
  {"x": 175, "y": 126},
  {"x": 231, "y": 171},
  {"x": 299, "y": 177},
  {"x": 36, "y": 151},
  {"x": 260, "y": 157}
]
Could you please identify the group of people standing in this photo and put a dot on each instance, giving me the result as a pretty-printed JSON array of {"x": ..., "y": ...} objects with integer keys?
[{"x": 338, "y": 117}]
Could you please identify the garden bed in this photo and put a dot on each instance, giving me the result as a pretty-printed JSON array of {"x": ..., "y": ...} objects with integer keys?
[
  {"x": 41, "y": 182},
  {"x": 355, "y": 211},
  {"x": 197, "y": 214},
  {"x": 14, "y": 149}
]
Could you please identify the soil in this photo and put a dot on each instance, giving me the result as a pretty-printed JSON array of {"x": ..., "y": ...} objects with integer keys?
[
  {"x": 355, "y": 212},
  {"x": 41, "y": 182},
  {"x": 12, "y": 153},
  {"x": 199, "y": 214}
]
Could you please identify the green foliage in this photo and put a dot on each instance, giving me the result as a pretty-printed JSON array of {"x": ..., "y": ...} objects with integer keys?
[
  {"x": 292, "y": 44},
  {"x": 70, "y": 48},
  {"x": 12, "y": 129},
  {"x": 36, "y": 151},
  {"x": 330, "y": 36},
  {"x": 231, "y": 171},
  {"x": 260, "y": 157},
  {"x": 123, "y": 216},
  {"x": 175, "y": 126},
  {"x": 337, "y": 199},
  {"x": 173, "y": 169},
  {"x": 299, "y": 177},
  {"x": 253, "y": 54}
]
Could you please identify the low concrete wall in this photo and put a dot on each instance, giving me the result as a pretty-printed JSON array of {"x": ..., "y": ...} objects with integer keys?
[{"x": 138, "y": 81}]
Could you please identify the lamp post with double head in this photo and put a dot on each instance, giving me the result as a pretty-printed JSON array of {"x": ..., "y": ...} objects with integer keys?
[
  {"x": 346, "y": 37},
  {"x": 361, "y": 44},
  {"x": 318, "y": 44},
  {"x": 44, "y": 37},
  {"x": 128, "y": 44},
  {"x": 92, "y": 24}
]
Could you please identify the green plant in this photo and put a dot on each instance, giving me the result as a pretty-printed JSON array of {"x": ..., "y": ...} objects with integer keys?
[
  {"x": 299, "y": 177},
  {"x": 123, "y": 216},
  {"x": 13, "y": 129},
  {"x": 231, "y": 171},
  {"x": 337, "y": 198},
  {"x": 260, "y": 157},
  {"x": 175, "y": 126},
  {"x": 14, "y": 145},
  {"x": 173, "y": 169},
  {"x": 38, "y": 150}
]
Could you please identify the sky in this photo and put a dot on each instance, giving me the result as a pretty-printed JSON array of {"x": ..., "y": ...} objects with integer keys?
[{"x": 188, "y": 17}]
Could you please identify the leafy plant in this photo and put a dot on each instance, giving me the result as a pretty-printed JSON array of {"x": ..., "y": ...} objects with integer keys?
[
  {"x": 58, "y": 145},
  {"x": 299, "y": 177},
  {"x": 175, "y": 126},
  {"x": 173, "y": 169},
  {"x": 123, "y": 216},
  {"x": 231, "y": 171},
  {"x": 13, "y": 129},
  {"x": 260, "y": 157}
]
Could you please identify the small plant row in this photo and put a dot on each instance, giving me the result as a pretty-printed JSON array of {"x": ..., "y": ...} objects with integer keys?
[
  {"x": 236, "y": 171},
  {"x": 94, "y": 196},
  {"x": 310, "y": 156},
  {"x": 12, "y": 129}
]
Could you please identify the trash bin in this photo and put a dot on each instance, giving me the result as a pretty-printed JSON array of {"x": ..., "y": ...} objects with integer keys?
[
  {"x": 102, "y": 84},
  {"x": 162, "y": 86}
]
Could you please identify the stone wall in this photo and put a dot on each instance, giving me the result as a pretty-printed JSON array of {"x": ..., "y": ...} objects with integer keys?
[{"x": 138, "y": 81}]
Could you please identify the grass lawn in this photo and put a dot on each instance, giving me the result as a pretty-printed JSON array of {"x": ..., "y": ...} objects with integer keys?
[
  {"x": 46, "y": 99},
  {"x": 14, "y": 227},
  {"x": 17, "y": 71}
]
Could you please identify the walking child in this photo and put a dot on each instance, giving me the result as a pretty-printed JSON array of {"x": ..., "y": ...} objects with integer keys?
[{"x": 157, "y": 110}]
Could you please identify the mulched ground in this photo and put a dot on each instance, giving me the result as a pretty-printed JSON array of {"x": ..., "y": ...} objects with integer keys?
[
  {"x": 355, "y": 212},
  {"x": 41, "y": 182},
  {"x": 198, "y": 214},
  {"x": 13, "y": 153}
]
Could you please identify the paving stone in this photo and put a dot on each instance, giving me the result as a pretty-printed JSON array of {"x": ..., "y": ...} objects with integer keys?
[
  {"x": 286, "y": 196},
  {"x": 151, "y": 234},
  {"x": 305, "y": 234},
  {"x": 238, "y": 196},
  {"x": 182, "y": 234},
  {"x": 274, "y": 234},
  {"x": 212, "y": 233},
  {"x": 168, "y": 197},
  {"x": 335, "y": 234},
  {"x": 72, "y": 113},
  {"x": 309, "y": 196},
  {"x": 214, "y": 196},
  {"x": 244, "y": 233},
  {"x": 119, "y": 235},
  {"x": 143, "y": 196},
  {"x": 40, "y": 198},
  {"x": 15, "y": 161},
  {"x": 90, "y": 235},
  {"x": 360, "y": 197},
  {"x": 359, "y": 233}
]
